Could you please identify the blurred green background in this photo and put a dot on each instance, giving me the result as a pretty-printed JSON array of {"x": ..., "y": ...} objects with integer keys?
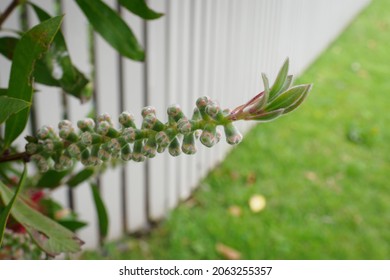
[{"x": 313, "y": 185}]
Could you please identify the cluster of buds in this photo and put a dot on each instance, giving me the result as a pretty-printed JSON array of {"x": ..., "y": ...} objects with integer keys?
[
  {"x": 19, "y": 246},
  {"x": 96, "y": 142}
]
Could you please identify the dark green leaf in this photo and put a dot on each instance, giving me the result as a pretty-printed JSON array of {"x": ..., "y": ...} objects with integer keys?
[
  {"x": 112, "y": 28},
  {"x": 279, "y": 81},
  {"x": 7, "y": 46},
  {"x": 7, "y": 210},
  {"x": 72, "y": 225},
  {"x": 100, "y": 210},
  {"x": 10, "y": 106},
  {"x": 288, "y": 98},
  {"x": 49, "y": 235},
  {"x": 51, "y": 179},
  {"x": 80, "y": 177},
  {"x": 30, "y": 47},
  {"x": 140, "y": 8},
  {"x": 60, "y": 64},
  {"x": 3, "y": 91}
]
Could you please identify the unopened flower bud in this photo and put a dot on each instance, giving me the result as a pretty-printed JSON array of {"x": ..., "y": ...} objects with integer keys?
[
  {"x": 137, "y": 151},
  {"x": 161, "y": 149},
  {"x": 151, "y": 122},
  {"x": 105, "y": 117},
  {"x": 114, "y": 145},
  {"x": 87, "y": 124},
  {"x": 45, "y": 132},
  {"x": 148, "y": 110},
  {"x": 130, "y": 134},
  {"x": 233, "y": 136},
  {"x": 105, "y": 129},
  {"x": 48, "y": 146},
  {"x": 188, "y": 146},
  {"x": 212, "y": 109},
  {"x": 150, "y": 148},
  {"x": 42, "y": 163},
  {"x": 163, "y": 138},
  {"x": 94, "y": 158},
  {"x": 65, "y": 161},
  {"x": 184, "y": 126},
  {"x": 126, "y": 152},
  {"x": 209, "y": 135},
  {"x": 126, "y": 120},
  {"x": 64, "y": 123},
  {"x": 32, "y": 148},
  {"x": 201, "y": 103},
  {"x": 175, "y": 112},
  {"x": 74, "y": 150},
  {"x": 174, "y": 147},
  {"x": 103, "y": 154},
  {"x": 67, "y": 133},
  {"x": 88, "y": 138},
  {"x": 85, "y": 157}
]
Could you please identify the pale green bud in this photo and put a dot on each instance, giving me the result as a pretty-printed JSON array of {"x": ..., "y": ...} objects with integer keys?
[
  {"x": 105, "y": 117},
  {"x": 126, "y": 154},
  {"x": 184, "y": 126},
  {"x": 64, "y": 123},
  {"x": 137, "y": 151},
  {"x": 104, "y": 155},
  {"x": 150, "y": 148},
  {"x": 148, "y": 110},
  {"x": 233, "y": 136},
  {"x": 126, "y": 120},
  {"x": 87, "y": 124},
  {"x": 175, "y": 112},
  {"x": 45, "y": 132},
  {"x": 209, "y": 135},
  {"x": 174, "y": 147},
  {"x": 188, "y": 146}
]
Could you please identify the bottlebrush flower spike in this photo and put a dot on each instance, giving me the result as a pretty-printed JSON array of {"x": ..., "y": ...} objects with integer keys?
[{"x": 100, "y": 141}]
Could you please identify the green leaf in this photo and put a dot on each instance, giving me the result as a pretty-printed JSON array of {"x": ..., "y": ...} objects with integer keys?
[
  {"x": 288, "y": 98},
  {"x": 42, "y": 73},
  {"x": 287, "y": 83},
  {"x": 59, "y": 63},
  {"x": 80, "y": 177},
  {"x": 100, "y": 210},
  {"x": 72, "y": 225},
  {"x": 51, "y": 179},
  {"x": 10, "y": 106},
  {"x": 266, "y": 116},
  {"x": 112, "y": 28},
  {"x": 299, "y": 101},
  {"x": 7, "y": 46},
  {"x": 140, "y": 8},
  {"x": 7, "y": 210},
  {"x": 49, "y": 235},
  {"x": 280, "y": 81},
  {"x": 30, "y": 47}
]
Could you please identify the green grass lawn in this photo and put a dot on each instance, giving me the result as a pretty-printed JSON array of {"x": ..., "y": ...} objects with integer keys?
[{"x": 324, "y": 170}]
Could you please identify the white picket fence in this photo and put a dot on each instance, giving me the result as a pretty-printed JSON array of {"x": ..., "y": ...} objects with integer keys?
[{"x": 199, "y": 47}]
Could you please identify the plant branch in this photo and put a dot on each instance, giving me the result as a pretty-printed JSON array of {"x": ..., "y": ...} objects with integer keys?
[
  {"x": 8, "y": 11},
  {"x": 14, "y": 157}
]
